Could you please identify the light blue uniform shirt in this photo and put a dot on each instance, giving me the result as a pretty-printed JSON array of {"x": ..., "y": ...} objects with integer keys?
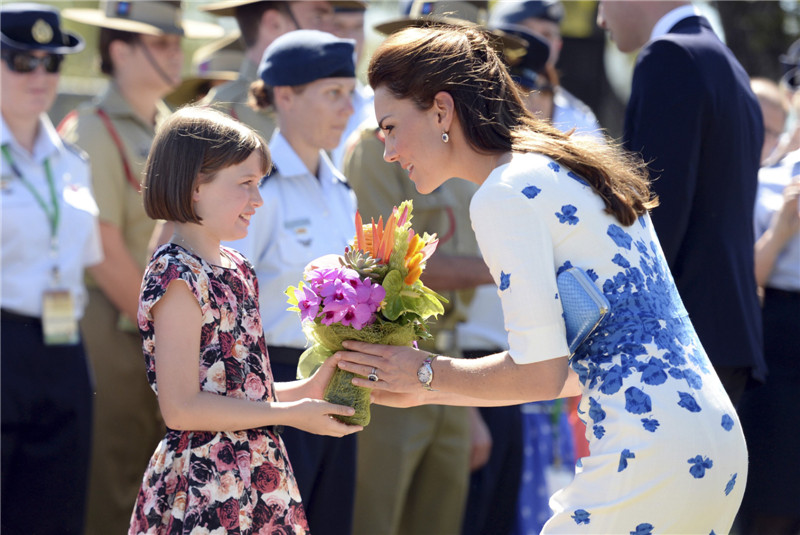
[
  {"x": 25, "y": 247},
  {"x": 771, "y": 182},
  {"x": 303, "y": 218}
]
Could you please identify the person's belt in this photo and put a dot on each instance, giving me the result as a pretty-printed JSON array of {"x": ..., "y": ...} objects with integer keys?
[
  {"x": 7, "y": 315},
  {"x": 783, "y": 295}
]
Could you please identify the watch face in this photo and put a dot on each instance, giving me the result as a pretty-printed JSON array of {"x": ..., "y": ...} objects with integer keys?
[{"x": 424, "y": 374}]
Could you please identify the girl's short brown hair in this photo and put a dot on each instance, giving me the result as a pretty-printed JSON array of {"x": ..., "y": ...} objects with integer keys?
[{"x": 189, "y": 149}]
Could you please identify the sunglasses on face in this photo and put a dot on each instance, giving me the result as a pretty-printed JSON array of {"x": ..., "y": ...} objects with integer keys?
[{"x": 26, "y": 62}]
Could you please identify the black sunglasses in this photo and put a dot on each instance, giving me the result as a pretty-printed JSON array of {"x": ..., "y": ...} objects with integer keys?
[{"x": 27, "y": 62}]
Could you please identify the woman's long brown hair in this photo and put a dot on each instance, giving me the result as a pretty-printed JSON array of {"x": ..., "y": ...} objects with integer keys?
[{"x": 418, "y": 63}]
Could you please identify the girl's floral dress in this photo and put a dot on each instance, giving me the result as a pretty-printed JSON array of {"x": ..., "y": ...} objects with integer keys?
[
  {"x": 667, "y": 450},
  {"x": 203, "y": 482}
]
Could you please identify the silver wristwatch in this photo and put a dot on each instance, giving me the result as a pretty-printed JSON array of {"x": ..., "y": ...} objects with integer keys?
[{"x": 425, "y": 372}]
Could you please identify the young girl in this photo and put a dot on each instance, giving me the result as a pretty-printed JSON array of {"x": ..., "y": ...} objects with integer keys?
[{"x": 222, "y": 463}]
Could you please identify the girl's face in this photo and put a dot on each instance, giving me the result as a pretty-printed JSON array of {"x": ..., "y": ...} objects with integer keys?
[
  {"x": 318, "y": 116},
  {"x": 413, "y": 139},
  {"x": 227, "y": 202},
  {"x": 27, "y": 94}
]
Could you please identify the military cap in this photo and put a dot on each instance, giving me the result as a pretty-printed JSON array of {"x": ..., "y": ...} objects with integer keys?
[
  {"x": 525, "y": 70},
  {"x": 227, "y": 8},
  {"x": 514, "y": 12},
  {"x": 145, "y": 17},
  {"x": 28, "y": 26}
]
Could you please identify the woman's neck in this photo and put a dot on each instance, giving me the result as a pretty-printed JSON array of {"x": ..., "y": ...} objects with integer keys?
[
  {"x": 24, "y": 129},
  {"x": 309, "y": 155},
  {"x": 195, "y": 239},
  {"x": 143, "y": 102}
]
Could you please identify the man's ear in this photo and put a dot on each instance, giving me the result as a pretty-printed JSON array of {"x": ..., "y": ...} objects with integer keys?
[{"x": 445, "y": 109}]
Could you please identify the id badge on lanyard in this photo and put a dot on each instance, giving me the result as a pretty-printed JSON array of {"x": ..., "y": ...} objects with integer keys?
[{"x": 59, "y": 322}]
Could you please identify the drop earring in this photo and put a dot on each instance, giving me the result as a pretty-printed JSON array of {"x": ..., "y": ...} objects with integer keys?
[{"x": 445, "y": 137}]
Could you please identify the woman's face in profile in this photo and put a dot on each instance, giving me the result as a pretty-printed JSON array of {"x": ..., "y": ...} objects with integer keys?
[{"x": 413, "y": 139}]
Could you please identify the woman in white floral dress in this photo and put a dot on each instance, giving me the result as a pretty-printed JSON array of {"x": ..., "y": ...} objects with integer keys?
[{"x": 667, "y": 450}]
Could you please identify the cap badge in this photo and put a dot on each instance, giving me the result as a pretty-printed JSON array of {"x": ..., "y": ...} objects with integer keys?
[{"x": 42, "y": 32}]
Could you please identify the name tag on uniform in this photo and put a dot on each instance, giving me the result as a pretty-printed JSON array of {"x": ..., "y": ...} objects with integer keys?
[{"x": 59, "y": 323}]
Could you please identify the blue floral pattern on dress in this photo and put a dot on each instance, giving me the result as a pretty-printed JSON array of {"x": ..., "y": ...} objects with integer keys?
[
  {"x": 699, "y": 466},
  {"x": 505, "y": 281},
  {"x": 651, "y": 424},
  {"x": 730, "y": 485},
  {"x": 581, "y": 516},
  {"x": 643, "y": 529},
  {"x": 623, "y": 459},
  {"x": 531, "y": 191},
  {"x": 567, "y": 215},
  {"x": 727, "y": 422}
]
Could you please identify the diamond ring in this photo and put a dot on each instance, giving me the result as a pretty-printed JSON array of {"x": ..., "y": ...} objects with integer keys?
[{"x": 373, "y": 376}]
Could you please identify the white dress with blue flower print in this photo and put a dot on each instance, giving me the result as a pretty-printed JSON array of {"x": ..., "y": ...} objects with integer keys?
[{"x": 667, "y": 450}]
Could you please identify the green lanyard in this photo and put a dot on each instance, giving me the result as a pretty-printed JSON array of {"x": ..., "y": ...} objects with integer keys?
[{"x": 53, "y": 213}]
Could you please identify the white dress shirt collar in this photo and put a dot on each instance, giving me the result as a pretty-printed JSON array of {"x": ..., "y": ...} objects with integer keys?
[
  {"x": 289, "y": 163},
  {"x": 665, "y": 23},
  {"x": 47, "y": 143}
]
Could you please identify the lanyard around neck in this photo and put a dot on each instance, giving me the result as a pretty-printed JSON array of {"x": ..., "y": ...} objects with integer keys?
[{"x": 53, "y": 213}]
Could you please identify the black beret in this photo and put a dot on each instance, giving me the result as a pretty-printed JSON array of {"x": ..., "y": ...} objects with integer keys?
[{"x": 303, "y": 56}]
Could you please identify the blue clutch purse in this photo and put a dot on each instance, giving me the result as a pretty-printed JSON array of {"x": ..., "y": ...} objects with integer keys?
[{"x": 584, "y": 305}]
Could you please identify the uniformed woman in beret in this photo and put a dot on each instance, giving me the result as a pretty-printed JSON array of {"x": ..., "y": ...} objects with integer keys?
[
  {"x": 49, "y": 235},
  {"x": 309, "y": 211}
]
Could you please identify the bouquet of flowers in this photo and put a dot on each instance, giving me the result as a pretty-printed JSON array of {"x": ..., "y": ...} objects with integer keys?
[{"x": 373, "y": 294}]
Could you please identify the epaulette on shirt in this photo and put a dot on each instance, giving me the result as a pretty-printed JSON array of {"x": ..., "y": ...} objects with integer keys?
[
  {"x": 273, "y": 171},
  {"x": 79, "y": 152}
]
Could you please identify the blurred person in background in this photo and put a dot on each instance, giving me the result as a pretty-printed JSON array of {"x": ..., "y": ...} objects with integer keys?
[
  {"x": 260, "y": 23},
  {"x": 695, "y": 120},
  {"x": 213, "y": 64},
  {"x": 348, "y": 23},
  {"x": 140, "y": 52},
  {"x": 440, "y": 481},
  {"x": 771, "y": 500},
  {"x": 775, "y": 109},
  {"x": 307, "y": 77},
  {"x": 49, "y": 235},
  {"x": 543, "y": 18}
]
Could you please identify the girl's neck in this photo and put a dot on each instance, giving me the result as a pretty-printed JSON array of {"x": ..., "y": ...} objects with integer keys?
[
  {"x": 194, "y": 239},
  {"x": 24, "y": 129}
]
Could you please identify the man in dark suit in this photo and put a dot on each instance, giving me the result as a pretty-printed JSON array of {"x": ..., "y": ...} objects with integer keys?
[{"x": 696, "y": 122}]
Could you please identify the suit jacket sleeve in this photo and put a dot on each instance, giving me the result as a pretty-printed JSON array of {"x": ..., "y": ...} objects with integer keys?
[{"x": 664, "y": 121}]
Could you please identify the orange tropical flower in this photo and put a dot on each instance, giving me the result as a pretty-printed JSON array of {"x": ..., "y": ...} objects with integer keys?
[{"x": 376, "y": 239}]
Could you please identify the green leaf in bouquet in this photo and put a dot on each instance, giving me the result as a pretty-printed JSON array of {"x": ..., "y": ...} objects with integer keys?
[{"x": 311, "y": 359}]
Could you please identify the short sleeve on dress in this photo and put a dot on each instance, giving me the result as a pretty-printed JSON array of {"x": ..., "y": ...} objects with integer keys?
[
  {"x": 517, "y": 246},
  {"x": 170, "y": 263}
]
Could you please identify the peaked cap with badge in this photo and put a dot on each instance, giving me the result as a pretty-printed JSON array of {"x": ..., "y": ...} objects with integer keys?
[
  {"x": 145, "y": 17},
  {"x": 29, "y": 26}
]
